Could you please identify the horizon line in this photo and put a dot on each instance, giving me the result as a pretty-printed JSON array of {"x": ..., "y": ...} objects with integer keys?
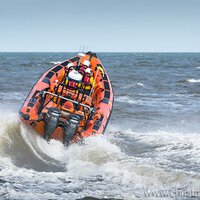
[{"x": 100, "y": 52}]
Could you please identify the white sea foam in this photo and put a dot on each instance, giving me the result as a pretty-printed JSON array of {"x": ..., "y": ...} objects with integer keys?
[
  {"x": 126, "y": 99},
  {"x": 99, "y": 164},
  {"x": 132, "y": 85},
  {"x": 140, "y": 84},
  {"x": 7, "y": 118},
  {"x": 193, "y": 80},
  {"x": 95, "y": 152},
  {"x": 55, "y": 62},
  {"x": 167, "y": 146}
]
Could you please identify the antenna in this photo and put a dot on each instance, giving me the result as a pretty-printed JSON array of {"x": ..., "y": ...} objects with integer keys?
[
  {"x": 86, "y": 49},
  {"x": 83, "y": 48},
  {"x": 80, "y": 48}
]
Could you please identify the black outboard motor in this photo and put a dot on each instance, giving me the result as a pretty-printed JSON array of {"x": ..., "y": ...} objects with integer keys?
[
  {"x": 70, "y": 127},
  {"x": 51, "y": 120}
]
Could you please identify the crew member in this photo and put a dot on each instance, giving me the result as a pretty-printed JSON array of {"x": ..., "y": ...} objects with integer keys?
[
  {"x": 85, "y": 65},
  {"x": 88, "y": 80}
]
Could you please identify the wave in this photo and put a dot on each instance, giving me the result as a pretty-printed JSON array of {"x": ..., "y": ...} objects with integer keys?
[
  {"x": 126, "y": 99},
  {"x": 102, "y": 158},
  {"x": 133, "y": 85},
  {"x": 173, "y": 150},
  {"x": 55, "y": 62},
  {"x": 26, "y": 149},
  {"x": 193, "y": 80},
  {"x": 105, "y": 164},
  {"x": 18, "y": 143},
  {"x": 189, "y": 81}
]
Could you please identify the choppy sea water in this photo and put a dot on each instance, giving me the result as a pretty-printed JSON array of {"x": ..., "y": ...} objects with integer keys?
[{"x": 152, "y": 141}]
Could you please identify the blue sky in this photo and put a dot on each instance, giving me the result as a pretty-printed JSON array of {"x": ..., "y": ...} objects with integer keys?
[{"x": 101, "y": 25}]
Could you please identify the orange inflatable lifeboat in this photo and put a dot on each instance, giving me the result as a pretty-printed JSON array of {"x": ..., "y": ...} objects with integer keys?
[{"x": 71, "y": 101}]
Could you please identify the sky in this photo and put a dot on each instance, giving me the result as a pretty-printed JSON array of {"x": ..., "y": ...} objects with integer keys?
[{"x": 100, "y": 25}]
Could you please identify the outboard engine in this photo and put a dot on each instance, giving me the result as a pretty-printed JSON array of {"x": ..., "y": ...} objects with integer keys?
[
  {"x": 70, "y": 127},
  {"x": 51, "y": 120}
]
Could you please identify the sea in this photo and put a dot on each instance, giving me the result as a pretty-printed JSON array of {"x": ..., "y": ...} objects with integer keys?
[{"x": 151, "y": 147}]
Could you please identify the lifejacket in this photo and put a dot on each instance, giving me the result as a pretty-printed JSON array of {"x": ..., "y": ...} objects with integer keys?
[
  {"x": 86, "y": 79},
  {"x": 88, "y": 82}
]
